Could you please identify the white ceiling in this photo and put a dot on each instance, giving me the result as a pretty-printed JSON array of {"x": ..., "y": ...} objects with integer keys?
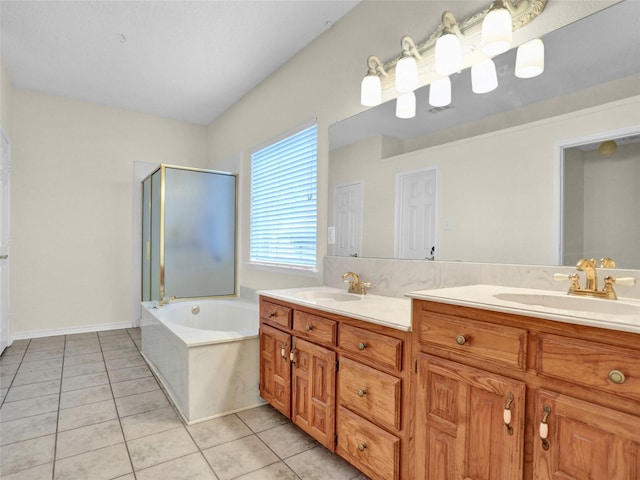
[{"x": 186, "y": 60}]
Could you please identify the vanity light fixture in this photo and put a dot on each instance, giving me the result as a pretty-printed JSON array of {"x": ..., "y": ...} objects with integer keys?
[
  {"x": 530, "y": 59},
  {"x": 484, "y": 77},
  {"x": 452, "y": 47},
  {"x": 497, "y": 29},
  {"x": 407, "y": 67},
  {"x": 406, "y": 105},
  {"x": 448, "y": 49},
  {"x": 371, "y": 87},
  {"x": 440, "y": 92}
]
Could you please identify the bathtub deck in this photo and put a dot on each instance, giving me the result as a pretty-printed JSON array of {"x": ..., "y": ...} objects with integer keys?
[{"x": 88, "y": 403}]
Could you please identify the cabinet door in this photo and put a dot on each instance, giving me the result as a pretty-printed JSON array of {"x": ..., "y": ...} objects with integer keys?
[
  {"x": 585, "y": 441},
  {"x": 313, "y": 395},
  {"x": 461, "y": 430},
  {"x": 275, "y": 368}
]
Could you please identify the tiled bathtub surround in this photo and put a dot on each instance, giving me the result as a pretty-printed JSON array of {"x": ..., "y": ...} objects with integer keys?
[
  {"x": 86, "y": 406},
  {"x": 394, "y": 278}
]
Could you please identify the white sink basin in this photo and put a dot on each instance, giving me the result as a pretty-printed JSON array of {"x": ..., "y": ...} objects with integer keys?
[
  {"x": 334, "y": 296},
  {"x": 566, "y": 302}
]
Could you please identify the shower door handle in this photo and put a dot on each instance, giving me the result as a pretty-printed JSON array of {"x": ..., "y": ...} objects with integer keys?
[{"x": 4, "y": 257}]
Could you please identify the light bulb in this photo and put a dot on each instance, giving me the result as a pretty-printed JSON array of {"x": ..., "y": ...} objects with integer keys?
[
  {"x": 406, "y": 74},
  {"x": 440, "y": 92},
  {"x": 530, "y": 59},
  {"x": 484, "y": 77},
  {"x": 448, "y": 54},
  {"x": 497, "y": 32},
  {"x": 406, "y": 105},
  {"x": 371, "y": 91}
]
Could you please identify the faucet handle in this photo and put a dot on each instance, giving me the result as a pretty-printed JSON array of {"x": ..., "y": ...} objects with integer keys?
[{"x": 607, "y": 263}]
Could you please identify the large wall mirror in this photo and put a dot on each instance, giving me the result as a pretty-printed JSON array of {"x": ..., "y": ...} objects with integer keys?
[{"x": 479, "y": 181}]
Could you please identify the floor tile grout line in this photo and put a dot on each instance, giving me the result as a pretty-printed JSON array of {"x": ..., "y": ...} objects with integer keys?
[
  {"x": 14, "y": 375},
  {"x": 124, "y": 439}
]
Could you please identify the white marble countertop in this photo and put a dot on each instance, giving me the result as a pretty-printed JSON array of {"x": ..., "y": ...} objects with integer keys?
[
  {"x": 390, "y": 312},
  {"x": 621, "y": 314}
]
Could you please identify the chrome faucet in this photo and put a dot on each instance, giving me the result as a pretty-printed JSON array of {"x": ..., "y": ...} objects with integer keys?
[
  {"x": 355, "y": 285},
  {"x": 588, "y": 266}
]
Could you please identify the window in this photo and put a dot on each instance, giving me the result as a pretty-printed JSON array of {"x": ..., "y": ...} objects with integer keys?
[{"x": 284, "y": 201}]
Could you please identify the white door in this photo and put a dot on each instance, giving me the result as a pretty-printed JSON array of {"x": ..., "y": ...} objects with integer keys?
[
  {"x": 5, "y": 190},
  {"x": 416, "y": 215},
  {"x": 347, "y": 219}
]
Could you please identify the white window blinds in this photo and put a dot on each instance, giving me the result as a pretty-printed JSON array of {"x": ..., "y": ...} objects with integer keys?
[{"x": 284, "y": 201}]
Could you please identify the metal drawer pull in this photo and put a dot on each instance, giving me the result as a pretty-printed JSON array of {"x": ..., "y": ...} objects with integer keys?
[
  {"x": 362, "y": 392},
  {"x": 308, "y": 328},
  {"x": 617, "y": 377},
  {"x": 362, "y": 346},
  {"x": 362, "y": 446},
  {"x": 292, "y": 355},
  {"x": 272, "y": 314},
  {"x": 283, "y": 351},
  {"x": 506, "y": 414},
  {"x": 544, "y": 428},
  {"x": 461, "y": 339}
]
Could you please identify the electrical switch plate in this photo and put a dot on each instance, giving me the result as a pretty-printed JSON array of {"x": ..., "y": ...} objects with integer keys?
[{"x": 331, "y": 235}]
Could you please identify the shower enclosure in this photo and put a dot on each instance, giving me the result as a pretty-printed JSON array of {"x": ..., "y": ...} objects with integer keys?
[{"x": 188, "y": 233}]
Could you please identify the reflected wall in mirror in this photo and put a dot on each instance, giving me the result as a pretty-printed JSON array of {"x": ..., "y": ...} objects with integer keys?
[
  {"x": 601, "y": 196},
  {"x": 496, "y": 178}
]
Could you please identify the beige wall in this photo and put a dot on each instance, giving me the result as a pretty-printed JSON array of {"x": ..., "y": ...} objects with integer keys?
[
  {"x": 5, "y": 100},
  {"x": 72, "y": 204}
]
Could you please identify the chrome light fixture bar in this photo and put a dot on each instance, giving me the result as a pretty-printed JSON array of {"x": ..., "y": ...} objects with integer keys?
[{"x": 452, "y": 47}]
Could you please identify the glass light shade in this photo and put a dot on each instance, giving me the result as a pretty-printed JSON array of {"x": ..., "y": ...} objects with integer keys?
[
  {"x": 484, "y": 77},
  {"x": 371, "y": 91},
  {"x": 530, "y": 59},
  {"x": 448, "y": 54},
  {"x": 406, "y": 105},
  {"x": 497, "y": 32},
  {"x": 608, "y": 148},
  {"x": 440, "y": 92},
  {"x": 406, "y": 74}
]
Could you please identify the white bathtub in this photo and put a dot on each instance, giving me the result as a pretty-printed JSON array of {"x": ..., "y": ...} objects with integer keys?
[{"x": 208, "y": 362}]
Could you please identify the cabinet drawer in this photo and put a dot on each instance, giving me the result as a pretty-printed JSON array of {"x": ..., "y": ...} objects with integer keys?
[
  {"x": 590, "y": 364},
  {"x": 370, "y": 393},
  {"x": 276, "y": 315},
  {"x": 375, "y": 347},
  {"x": 314, "y": 327},
  {"x": 367, "y": 447},
  {"x": 484, "y": 341}
]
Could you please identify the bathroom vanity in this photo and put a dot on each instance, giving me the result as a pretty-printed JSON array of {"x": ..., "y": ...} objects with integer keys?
[
  {"x": 477, "y": 382},
  {"x": 342, "y": 379},
  {"x": 511, "y": 396}
]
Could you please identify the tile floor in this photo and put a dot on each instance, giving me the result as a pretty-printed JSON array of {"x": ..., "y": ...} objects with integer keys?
[{"x": 87, "y": 407}]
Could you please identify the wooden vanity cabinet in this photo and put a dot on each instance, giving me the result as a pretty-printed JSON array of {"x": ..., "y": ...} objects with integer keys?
[
  {"x": 347, "y": 384},
  {"x": 557, "y": 381}
]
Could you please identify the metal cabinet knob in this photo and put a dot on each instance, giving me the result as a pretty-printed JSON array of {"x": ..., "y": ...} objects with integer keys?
[
  {"x": 461, "y": 339},
  {"x": 362, "y": 446},
  {"x": 617, "y": 377},
  {"x": 308, "y": 328},
  {"x": 362, "y": 346},
  {"x": 362, "y": 392}
]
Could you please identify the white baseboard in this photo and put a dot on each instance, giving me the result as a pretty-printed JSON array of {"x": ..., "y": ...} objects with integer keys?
[{"x": 68, "y": 331}]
